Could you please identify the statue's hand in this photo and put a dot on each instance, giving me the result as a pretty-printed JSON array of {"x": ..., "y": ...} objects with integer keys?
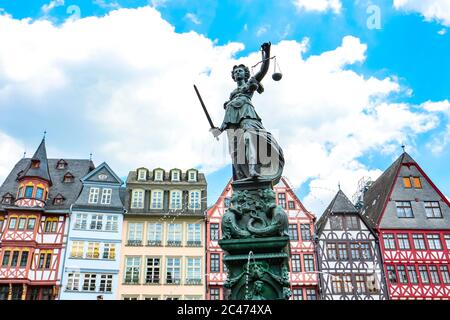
[
  {"x": 216, "y": 132},
  {"x": 266, "y": 46}
]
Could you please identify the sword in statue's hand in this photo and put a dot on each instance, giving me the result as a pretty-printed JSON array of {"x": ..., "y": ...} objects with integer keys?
[{"x": 213, "y": 128}]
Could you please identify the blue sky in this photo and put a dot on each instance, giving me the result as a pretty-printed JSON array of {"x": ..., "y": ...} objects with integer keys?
[{"x": 411, "y": 48}]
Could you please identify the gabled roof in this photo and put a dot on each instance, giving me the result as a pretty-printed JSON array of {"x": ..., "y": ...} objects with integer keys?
[
  {"x": 376, "y": 197},
  {"x": 340, "y": 204},
  {"x": 102, "y": 166},
  {"x": 42, "y": 170}
]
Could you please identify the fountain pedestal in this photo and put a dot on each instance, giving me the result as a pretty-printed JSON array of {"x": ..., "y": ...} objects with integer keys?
[{"x": 256, "y": 243}]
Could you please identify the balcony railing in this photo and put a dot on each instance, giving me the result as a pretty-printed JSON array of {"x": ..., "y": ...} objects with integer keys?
[
  {"x": 131, "y": 281},
  {"x": 152, "y": 281},
  {"x": 194, "y": 281},
  {"x": 154, "y": 243},
  {"x": 134, "y": 243},
  {"x": 194, "y": 243},
  {"x": 173, "y": 281},
  {"x": 174, "y": 243}
]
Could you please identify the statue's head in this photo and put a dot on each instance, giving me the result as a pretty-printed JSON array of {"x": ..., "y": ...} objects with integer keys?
[
  {"x": 240, "y": 72},
  {"x": 258, "y": 286}
]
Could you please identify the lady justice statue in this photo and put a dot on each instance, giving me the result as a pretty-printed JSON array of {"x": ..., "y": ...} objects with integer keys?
[{"x": 254, "y": 152}]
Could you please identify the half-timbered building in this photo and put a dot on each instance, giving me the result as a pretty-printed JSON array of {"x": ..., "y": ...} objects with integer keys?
[
  {"x": 412, "y": 219},
  {"x": 303, "y": 264},
  {"x": 35, "y": 200},
  {"x": 91, "y": 264},
  {"x": 348, "y": 254}
]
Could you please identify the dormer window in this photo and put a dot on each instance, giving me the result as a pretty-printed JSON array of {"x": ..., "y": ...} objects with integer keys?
[
  {"x": 142, "y": 174},
  {"x": 68, "y": 178},
  {"x": 62, "y": 164},
  {"x": 7, "y": 198},
  {"x": 158, "y": 175},
  {"x": 192, "y": 176},
  {"x": 35, "y": 163},
  {"x": 59, "y": 199},
  {"x": 175, "y": 175}
]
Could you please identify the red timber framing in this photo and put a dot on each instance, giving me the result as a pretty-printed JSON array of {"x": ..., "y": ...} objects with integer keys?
[
  {"x": 303, "y": 264},
  {"x": 417, "y": 263},
  {"x": 31, "y": 247}
]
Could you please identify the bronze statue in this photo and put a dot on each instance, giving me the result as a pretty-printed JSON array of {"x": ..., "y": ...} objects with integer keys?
[{"x": 254, "y": 152}]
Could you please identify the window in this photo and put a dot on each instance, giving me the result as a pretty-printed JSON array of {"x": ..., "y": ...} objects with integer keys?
[
  {"x": 93, "y": 195},
  {"x": 152, "y": 274},
  {"x": 342, "y": 251},
  {"x": 61, "y": 164},
  {"x": 106, "y": 283},
  {"x": 194, "y": 200},
  {"x": 417, "y": 183},
  {"x": 39, "y": 193},
  {"x": 402, "y": 274},
  {"x": 12, "y": 223},
  {"x": 175, "y": 199},
  {"x": 96, "y": 222},
  {"x": 137, "y": 199},
  {"x": 142, "y": 174},
  {"x": 73, "y": 282},
  {"x": 407, "y": 182},
  {"x": 404, "y": 209},
  {"x": 432, "y": 209},
  {"x": 41, "y": 260},
  {"x": 282, "y": 200},
  {"x": 297, "y": 294},
  {"x": 419, "y": 242},
  {"x": 352, "y": 222},
  {"x": 293, "y": 232},
  {"x": 447, "y": 241},
  {"x": 434, "y": 242},
  {"x": 291, "y": 205},
  {"x": 331, "y": 251},
  {"x": 308, "y": 260},
  {"x": 403, "y": 241},
  {"x": 77, "y": 249},
  {"x": 336, "y": 222},
  {"x": 194, "y": 271},
  {"x": 68, "y": 178},
  {"x": 135, "y": 232},
  {"x": 22, "y": 222},
  {"x": 106, "y": 196},
  {"x": 360, "y": 283},
  {"x": 337, "y": 283},
  {"x": 93, "y": 251},
  {"x": 354, "y": 250},
  {"x": 214, "y": 294},
  {"x": 15, "y": 258},
  {"x": 31, "y": 223},
  {"x": 214, "y": 231},
  {"x": 388, "y": 241},
  {"x": 215, "y": 262},
  {"x": 6, "y": 255},
  {"x": 192, "y": 176},
  {"x": 109, "y": 251},
  {"x": 311, "y": 294},
  {"x": 158, "y": 175},
  {"x": 194, "y": 234},
  {"x": 89, "y": 282},
  {"x": 112, "y": 223},
  {"x": 130, "y": 298},
  {"x": 1, "y": 224},
  {"x": 391, "y": 274},
  {"x": 154, "y": 236},
  {"x": 424, "y": 274},
  {"x": 366, "y": 253},
  {"x": 305, "y": 232},
  {"x": 227, "y": 202},
  {"x": 81, "y": 221},
  {"x": 29, "y": 192},
  {"x": 132, "y": 266},
  {"x": 48, "y": 261},
  {"x": 445, "y": 274},
  {"x": 50, "y": 225},
  {"x": 175, "y": 175},
  {"x": 173, "y": 270},
  {"x": 157, "y": 199},
  {"x": 296, "y": 263},
  {"x": 412, "y": 275},
  {"x": 174, "y": 234},
  {"x": 434, "y": 275},
  {"x": 24, "y": 259}
]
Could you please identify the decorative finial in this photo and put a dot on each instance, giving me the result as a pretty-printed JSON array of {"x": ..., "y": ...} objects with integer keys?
[
  {"x": 339, "y": 185},
  {"x": 403, "y": 147},
  {"x": 45, "y": 133},
  {"x": 24, "y": 154},
  {"x": 90, "y": 156}
]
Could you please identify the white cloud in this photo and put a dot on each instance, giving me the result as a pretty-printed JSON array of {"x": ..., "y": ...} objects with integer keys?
[
  {"x": 107, "y": 4},
  {"x": 193, "y": 18},
  {"x": 262, "y": 30},
  {"x": 11, "y": 151},
  {"x": 131, "y": 93},
  {"x": 438, "y": 10},
  {"x": 319, "y": 5},
  {"x": 442, "y": 32},
  {"x": 46, "y": 8},
  {"x": 442, "y": 139}
]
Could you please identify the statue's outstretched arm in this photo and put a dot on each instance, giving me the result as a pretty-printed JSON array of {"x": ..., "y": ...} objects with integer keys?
[{"x": 265, "y": 52}]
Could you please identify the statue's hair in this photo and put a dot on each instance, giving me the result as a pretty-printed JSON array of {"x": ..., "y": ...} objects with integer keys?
[{"x": 246, "y": 71}]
